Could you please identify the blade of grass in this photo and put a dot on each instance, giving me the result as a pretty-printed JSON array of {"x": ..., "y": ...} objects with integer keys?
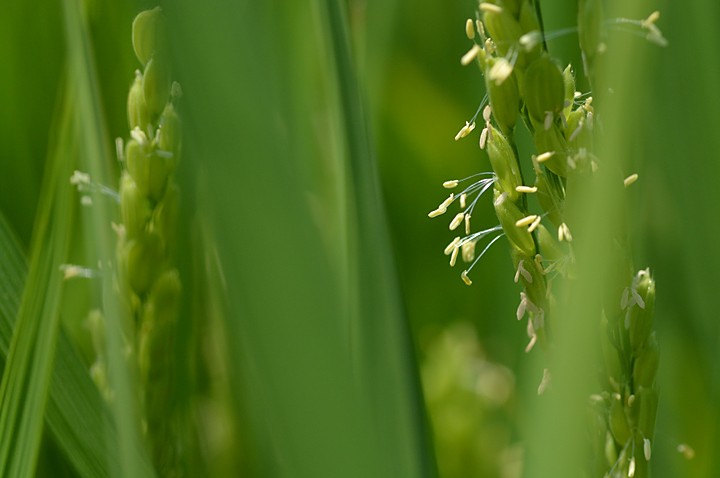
[
  {"x": 558, "y": 427},
  {"x": 381, "y": 336},
  {"x": 259, "y": 132},
  {"x": 27, "y": 377},
  {"x": 282, "y": 321},
  {"x": 75, "y": 413},
  {"x": 95, "y": 159}
]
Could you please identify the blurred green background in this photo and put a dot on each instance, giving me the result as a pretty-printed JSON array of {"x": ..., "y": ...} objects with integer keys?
[{"x": 329, "y": 281}]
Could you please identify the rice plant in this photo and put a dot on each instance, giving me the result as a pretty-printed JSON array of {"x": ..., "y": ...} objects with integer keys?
[
  {"x": 215, "y": 258},
  {"x": 524, "y": 82}
]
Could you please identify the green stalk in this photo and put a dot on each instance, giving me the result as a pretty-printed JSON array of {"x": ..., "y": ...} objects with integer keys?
[
  {"x": 388, "y": 372},
  {"x": 96, "y": 159},
  {"x": 27, "y": 377}
]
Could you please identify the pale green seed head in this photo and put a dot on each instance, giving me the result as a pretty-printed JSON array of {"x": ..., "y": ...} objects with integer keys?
[
  {"x": 579, "y": 129},
  {"x": 148, "y": 31},
  {"x": 156, "y": 85},
  {"x": 504, "y": 97},
  {"x": 135, "y": 159},
  {"x": 618, "y": 420},
  {"x": 647, "y": 399},
  {"x": 134, "y": 207},
  {"x": 96, "y": 324},
  {"x": 552, "y": 141},
  {"x": 164, "y": 217},
  {"x": 137, "y": 109},
  {"x": 144, "y": 259},
  {"x": 544, "y": 88},
  {"x": 646, "y": 363},
  {"x": 149, "y": 169},
  {"x": 509, "y": 214},
  {"x": 640, "y": 313},
  {"x": 550, "y": 198},
  {"x": 165, "y": 296},
  {"x": 503, "y": 28},
  {"x": 549, "y": 247},
  {"x": 158, "y": 170},
  {"x": 504, "y": 163},
  {"x": 169, "y": 133}
]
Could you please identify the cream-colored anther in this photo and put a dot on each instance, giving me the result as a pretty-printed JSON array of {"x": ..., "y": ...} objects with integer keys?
[
  {"x": 469, "y": 29},
  {"x": 452, "y": 246},
  {"x": 544, "y": 156},
  {"x": 457, "y": 220},
  {"x": 534, "y": 224},
  {"x": 500, "y": 71},
  {"x": 454, "y": 256},
  {"x": 468, "y": 57},
  {"x": 437, "y": 212},
  {"x": 630, "y": 180},
  {"x": 526, "y": 221},
  {"x": 465, "y": 130}
]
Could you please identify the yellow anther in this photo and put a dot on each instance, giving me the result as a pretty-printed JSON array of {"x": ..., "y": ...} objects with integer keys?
[
  {"x": 544, "y": 156},
  {"x": 437, "y": 212},
  {"x": 483, "y": 138},
  {"x": 647, "y": 449},
  {"x": 535, "y": 224},
  {"x": 548, "y": 120},
  {"x": 468, "y": 57},
  {"x": 459, "y": 217},
  {"x": 530, "y": 40},
  {"x": 487, "y": 113},
  {"x": 469, "y": 29},
  {"x": 447, "y": 201},
  {"x": 500, "y": 71},
  {"x": 480, "y": 28},
  {"x": 452, "y": 245},
  {"x": 564, "y": 233},
  {"x": 453, "y": 256},
  {"x": 651, "y": 19},
  {"x": 630, "y": 179},
  {"x": 526, "y": 221},
  {"x": 465, "y": 130}
]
